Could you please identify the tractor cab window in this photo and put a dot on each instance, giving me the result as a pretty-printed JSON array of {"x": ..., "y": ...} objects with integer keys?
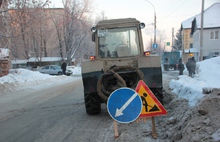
[{"x": 118, "y": 42}]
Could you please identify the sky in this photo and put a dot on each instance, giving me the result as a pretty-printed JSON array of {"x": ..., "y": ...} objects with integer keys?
[
  {"x": 169, "y": 13},
  {"x": 208, "y": 76}
]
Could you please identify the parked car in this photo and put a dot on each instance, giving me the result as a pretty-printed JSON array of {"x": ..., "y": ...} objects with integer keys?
[
  {"x": 53, "y": 70},
  {"x": 68, "y": 72}
]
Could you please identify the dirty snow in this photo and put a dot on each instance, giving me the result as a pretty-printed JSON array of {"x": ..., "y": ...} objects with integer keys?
[
  {"x": 207, "y": 76},
  {"x": 192, "y": 116}
]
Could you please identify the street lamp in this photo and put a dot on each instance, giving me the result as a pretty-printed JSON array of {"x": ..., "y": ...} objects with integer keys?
[{"x": 154, "y": 22}]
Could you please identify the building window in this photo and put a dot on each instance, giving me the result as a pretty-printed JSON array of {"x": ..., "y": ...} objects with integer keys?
[
  {"x": 191, "y": 45},
  {"x": 212, "y": 35},
  {"x": 216, "y": 34}
]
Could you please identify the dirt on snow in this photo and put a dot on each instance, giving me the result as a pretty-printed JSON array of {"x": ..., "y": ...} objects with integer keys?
[
  {"x": 181, "y": 124},
  {"x": 184, "y": 124}
]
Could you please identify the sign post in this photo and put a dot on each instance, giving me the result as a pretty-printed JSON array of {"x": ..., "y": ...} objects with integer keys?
[
  {"x": 151, "y": 106},
  {"x": 124, "y": 105}
]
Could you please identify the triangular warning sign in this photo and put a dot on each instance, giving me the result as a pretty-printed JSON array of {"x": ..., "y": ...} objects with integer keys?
[{"x": 151, "y": 105}]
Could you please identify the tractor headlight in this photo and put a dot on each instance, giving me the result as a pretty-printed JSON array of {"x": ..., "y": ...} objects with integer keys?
[
  {"x": 141, "y": 25},
  {"x": 93, "y": 29}
]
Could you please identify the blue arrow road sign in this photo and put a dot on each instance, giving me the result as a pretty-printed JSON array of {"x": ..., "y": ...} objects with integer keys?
[
  {"x": 155, "y": 45},
  {"x": 124, "y": 105}
]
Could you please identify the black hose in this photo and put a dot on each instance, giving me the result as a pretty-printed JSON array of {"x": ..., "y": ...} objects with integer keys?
[{"x": 104, "y": 94}]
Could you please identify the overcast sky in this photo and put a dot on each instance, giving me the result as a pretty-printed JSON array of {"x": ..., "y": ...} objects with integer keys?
[{"x": 169, "y": 13}]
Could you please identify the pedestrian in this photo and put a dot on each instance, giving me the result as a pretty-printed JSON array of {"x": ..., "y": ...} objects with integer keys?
[
  {"x": 187, "y": 66},
  {"x": 166, "y": 64},
  {"x": 63, "y": 67},
  {"x": 181, "y": 67},
  {"x": 192, "y": 67}
]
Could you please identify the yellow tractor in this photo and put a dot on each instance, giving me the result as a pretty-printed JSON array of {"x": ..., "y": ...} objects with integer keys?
[{"x": 119, "y": 61}]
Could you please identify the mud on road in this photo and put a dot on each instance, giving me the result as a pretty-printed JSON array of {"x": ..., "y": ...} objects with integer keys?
[{"x": 193, "y": 124}]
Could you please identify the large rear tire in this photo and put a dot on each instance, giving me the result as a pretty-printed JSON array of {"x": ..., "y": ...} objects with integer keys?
[
  {"x": 159, "y": 94},
  {"x": 92, "y": 103}
]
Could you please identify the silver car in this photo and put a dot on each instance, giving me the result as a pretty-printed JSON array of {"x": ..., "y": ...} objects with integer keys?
[{"x": 51, "y": 69}]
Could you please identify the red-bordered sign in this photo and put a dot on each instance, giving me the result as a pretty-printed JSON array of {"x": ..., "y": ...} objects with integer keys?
[{"x": 151, "y": 105}]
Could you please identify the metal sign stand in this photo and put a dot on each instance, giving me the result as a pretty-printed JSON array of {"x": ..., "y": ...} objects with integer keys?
[
  {"x": 128, "y": 108},
  {"x": 143, "y": 119},
  {"x": 124, "y": 106}
]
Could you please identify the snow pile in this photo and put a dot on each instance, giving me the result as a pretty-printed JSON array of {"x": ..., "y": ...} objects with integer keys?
[
  {"x": 208, "y": 71},
  {"x": 18, "y": 79},
  {"x": 191, "y": 124},
  {"x": 195, "y": 116},
  {"x": 207, "y": 76},
  {"x": 75, "y": 70},
  {"x": 4, "y": 53},
  {"x": 23, "y": 75}
]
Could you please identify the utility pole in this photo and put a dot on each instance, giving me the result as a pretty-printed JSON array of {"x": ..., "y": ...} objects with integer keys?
[
  {"x": 172, "y": 38},
  {"x": 155, "y": 27},
  {"x": 201, "y": 32}
]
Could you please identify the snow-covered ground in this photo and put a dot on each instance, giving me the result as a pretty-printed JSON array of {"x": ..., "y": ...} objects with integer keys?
[
  {"x": 24, "y": 75},
  {"x": 19, "y": 79},
  {"x": 208, "y": 76},
  {"x": 196, "y": 123}
]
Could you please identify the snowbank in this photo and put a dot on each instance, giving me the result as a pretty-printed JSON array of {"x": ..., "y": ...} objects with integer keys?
[
  {"x": 208, "y": 76},
  {"x": 19, "y": 79}
]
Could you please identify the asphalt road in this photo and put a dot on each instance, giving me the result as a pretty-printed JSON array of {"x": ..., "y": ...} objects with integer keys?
[
  {"x": 57, "y": 114},
  {"x": 54, "y": 114}
]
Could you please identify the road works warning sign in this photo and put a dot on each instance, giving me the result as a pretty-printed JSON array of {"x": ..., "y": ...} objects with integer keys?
[{"x": 150, "y": 104}]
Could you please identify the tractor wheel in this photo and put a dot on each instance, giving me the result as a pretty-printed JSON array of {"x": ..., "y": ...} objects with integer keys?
[
  {"x": 159, "y": 94},
  {"x": 92, "y": 103}
]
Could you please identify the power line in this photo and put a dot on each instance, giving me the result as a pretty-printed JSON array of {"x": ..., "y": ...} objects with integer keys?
[{"x": 173, "y": 10}]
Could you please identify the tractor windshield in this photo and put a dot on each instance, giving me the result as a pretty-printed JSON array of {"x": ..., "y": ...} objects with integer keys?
[{"x": 118, "y": 42}]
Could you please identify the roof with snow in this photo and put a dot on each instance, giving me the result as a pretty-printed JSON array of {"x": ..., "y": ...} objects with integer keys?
[
  {"x": 43, "y": 59},
  {"x": 211, "y": 18},
  {"x": 34, "y": 59}
]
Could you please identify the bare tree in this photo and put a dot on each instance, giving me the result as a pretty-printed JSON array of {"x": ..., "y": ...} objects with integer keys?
[
  {"x": 101, "y": 16},
  {"x": 58, "y": 24},
  {"x": 3, "y": 25},
  {"x": 25, "y": 27},
  {"x": 75, "y": 26},
  {"x": 31, "y": 29},
  {"x": 178, "y": 41}
]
